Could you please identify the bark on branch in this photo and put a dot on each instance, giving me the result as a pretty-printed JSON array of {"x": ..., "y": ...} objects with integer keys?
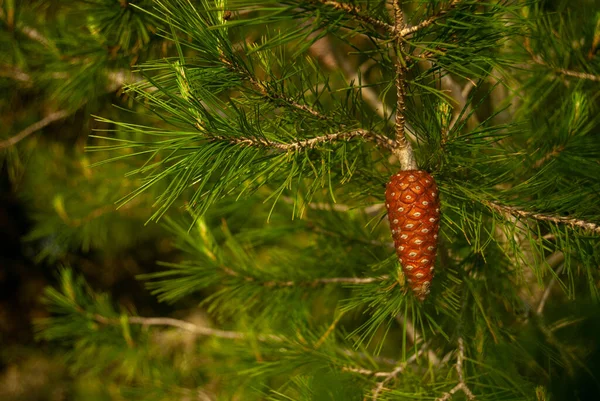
[
  {"x": 424, "y": 24},
  {"x": 358, "y": 15},
  {"x": 509, "y": 210},
  {"x": 462, "y": 385},
  {"x": 187, "y": 326},
  {"x": 311, "y": 143},
  {"x": 49, "y": 119},
  {"x": 403, "y": 149}
]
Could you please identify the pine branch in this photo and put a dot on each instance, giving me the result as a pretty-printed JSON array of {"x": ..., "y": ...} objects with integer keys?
[
  {"x": 116, "y": 79},
  {"x": 268, "y": 93},
  {"x": 415, "y": 337},
  {"x": 357, "y": 14},
  {"x": 389, "y": 376},
  {"x": 569, "y": 73},
  {"x": 312, "y": 142},
  {"x": 28, "y": 31},
  {"x": 340, "y": 207},
  {"x": 424, "y": 24},
  {"x": 49, "y": 119},
  {"x": 580, "y": 75},
  {"x": 187, "y": 326},
  {"x": 333, "y": 280},
  {"x": 462, "y": 385},
  {"x": 403, "y": 149},
  {"x": 554, "y": 259},
  {"x": 16, "y": 74},
  {"x": 310, "y": 283},
  {"x": 509, "y": 210},
  {"x": 323, "y": 49}
]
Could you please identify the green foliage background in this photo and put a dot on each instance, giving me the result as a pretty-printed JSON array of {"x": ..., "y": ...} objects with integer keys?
[{"x": 206, "y": 215}]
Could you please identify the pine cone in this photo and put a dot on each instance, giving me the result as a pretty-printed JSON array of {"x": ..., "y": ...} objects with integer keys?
[{"x": 412, "y": 201}]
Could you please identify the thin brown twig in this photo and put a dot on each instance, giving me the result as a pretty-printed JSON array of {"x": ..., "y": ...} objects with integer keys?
[
  {"x": 414, "y": 336},
  {"x": 312, "y": 142},
  {"x": 403, "y": 149},
  {"x": 557, "y": 258},
  {"x": 546, "y": 294},
  {"x": 509, "y": 210},
  {"x": 49, "y": 119},
  {"x": 569, "y": 73},
  {"x": 389, "y": 376},
  {"x": 330, "y": 280},
  {"x": 357, "y": 14},
  {"x": 15, "y": 73},
  {"x": 424, "y": 24},
  {"x": 462, "y": 385},
  {"x": 309, "y": 283},
  {"x": 264, "y": 90},
  {"x": 28, "y": 31},
  {"x": 576, "y": 74},
  {"x": 187, "y": 326},
  {"x": 360, "y": 371},
  {"x": 325, "y": 51},
  {"x": 278, "y": 97}
]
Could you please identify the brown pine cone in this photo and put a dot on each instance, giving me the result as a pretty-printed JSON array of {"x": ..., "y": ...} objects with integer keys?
[{"x": 412, "y": 201}]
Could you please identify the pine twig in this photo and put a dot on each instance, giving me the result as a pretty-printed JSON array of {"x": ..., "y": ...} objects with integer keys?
[
  {"x": 187, "y": 326},
  {"x": 569, "y": 73},
  {"x": 360, "y": 371},
  {"x": 15, "y": 73},
  {"x": 576, "y": 74},
  {"x": 358, "y": 15},
  {"x": 28, "y": 31},
  {"x": 268, "y": 94},
  {"x": 309, "y": 283},
  {"x": 326, "y": 280},
  {"x": 278, "y": 97},
  {"x": 389, "y": 376},
  {"x": 553, "y": 260},
  {"x": 510, "y": 210},
  {"x": 462, "y": 385},
  {"x": 403, "y": 149},
  {"x": 415, "y": 338},
  {"x": 546, "y": 294},
  {"x": 312, "y": 142},
  {"x": 49, "y": 119},
  {"x": 424, "y": 24},
  {"x": 324, "y": 50}
]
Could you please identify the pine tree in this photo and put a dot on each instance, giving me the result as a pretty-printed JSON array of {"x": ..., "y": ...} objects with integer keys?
[{"x": 258, "y": 137}]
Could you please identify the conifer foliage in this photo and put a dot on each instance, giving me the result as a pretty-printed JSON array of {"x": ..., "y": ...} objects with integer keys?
[{"x": 256, "y": 139}]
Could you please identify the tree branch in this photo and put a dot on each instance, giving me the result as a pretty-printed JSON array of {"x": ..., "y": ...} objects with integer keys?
[
  {"x": 403, "y": 149},
  {"x": 557, "y": 258},
  {"x": 389, "y": 376},
  {"x": 462, "y": 385},
  {"x": 326, "y": 280},
  {"x": 309, "y": 283},
  {"x": 28, "y": 31},
  {"x": 509, "y": 210},
  {"x": 264, "y": 90},
  {"x": 569, "y": 73},
  {"x": 358, "y": 15},
  {"x": 187, "y": 326},
  {"x": 49, "y": 119},
  {"x": 15, "y": 73},
  {"x": 415, "y": 338},
  {"x": 312, "y": 142},
  {"x": 424, "y": 24},
  {"x": 580, "y": 75}
]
